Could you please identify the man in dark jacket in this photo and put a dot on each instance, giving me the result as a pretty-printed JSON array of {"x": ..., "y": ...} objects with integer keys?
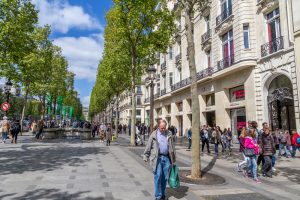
[
  {"x": 205, "y": 136},
  {"x": 15, "y": 129},
  {"x": 267, "y": 149}
]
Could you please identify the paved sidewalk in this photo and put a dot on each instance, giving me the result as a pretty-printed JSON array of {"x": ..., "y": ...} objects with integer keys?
[{"x": 71, "y": 170}]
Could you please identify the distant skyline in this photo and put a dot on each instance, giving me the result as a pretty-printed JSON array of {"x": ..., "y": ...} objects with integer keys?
[{"x": 77, "y": 27}]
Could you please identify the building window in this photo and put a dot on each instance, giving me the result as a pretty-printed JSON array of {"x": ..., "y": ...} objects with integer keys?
[
  {"x": 139, "y": 89},
  {"x": 207, "y": 22},
  {"x": 158, "y": 88},
  {"x": 138, "y": 101},
  {"x": 138, "y": 112},
  {"x": 208, "y": 59},
  {"x": 171, "y": 53},
  {"x": 170, "y": 79},
  {"x": 226, "y": 5},
  {"x": 210, "y": 100},
  {"x": 227, "y": 45},
  {"x": 246, "y": 35},
  {"x": 273, "y": 21},
  {"x": 237, "y": 93}
]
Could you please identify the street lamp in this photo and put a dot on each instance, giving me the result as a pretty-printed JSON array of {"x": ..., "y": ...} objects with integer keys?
[{"x": 151, "y": 77}]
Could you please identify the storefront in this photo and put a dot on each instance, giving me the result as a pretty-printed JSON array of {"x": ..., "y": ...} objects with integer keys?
[{"x": 238, "y": 120}]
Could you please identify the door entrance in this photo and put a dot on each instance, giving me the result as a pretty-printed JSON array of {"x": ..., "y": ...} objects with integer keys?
[
  {"x": 211, "y": 118},
  {"x": 281, "y": 104}
]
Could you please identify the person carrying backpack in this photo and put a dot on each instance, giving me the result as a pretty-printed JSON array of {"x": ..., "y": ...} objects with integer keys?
[
  {"x": 295, "y": 143},
  {"x": 15, "y": 130}
]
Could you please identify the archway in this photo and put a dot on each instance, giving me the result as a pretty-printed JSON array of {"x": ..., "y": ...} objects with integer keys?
[{"x": 281, "y": 104}]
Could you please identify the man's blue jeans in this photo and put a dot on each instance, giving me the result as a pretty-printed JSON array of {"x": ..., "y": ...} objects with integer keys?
[
  {"x": 294, "y": 150},
  {"x": 4, "y": 136},
  {"x": 161, "y": 176},
  {"x": 252, "y": 165}
]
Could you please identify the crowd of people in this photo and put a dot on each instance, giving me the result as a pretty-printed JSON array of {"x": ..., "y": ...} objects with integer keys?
[
  {"x": 214, "y": 136},
  {"x": 259, "y": 149},
  {"x": 9, "y": 129}
]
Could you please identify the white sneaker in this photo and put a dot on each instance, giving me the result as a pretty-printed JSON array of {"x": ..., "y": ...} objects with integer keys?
[{"x": 273, "y": 169}]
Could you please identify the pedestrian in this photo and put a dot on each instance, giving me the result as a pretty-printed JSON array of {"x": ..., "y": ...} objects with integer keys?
[
  {"x": 40, "y": 127},
  {"x": 143, "y": 132},
  {"x": 284, "y": 143},
  {"x": 226, "y": 140},
  {"x": 242, "y": 148},
  {"x": 189, "y": 136},
  {"x": 267, "y": 149},
  {"x": 276, "y": 143},
  {"x": 160, "y": 151},
  {"x": 94, "y": 129},
  {"x": 108, "y": 135},
  {"x": 216, "y": 137},
  {"x": 5, "y": 126},
  {"x": 260, "y": 158},
  {"x": 204, "y": 135},
  {"x": 295, "y": 143},
  {"x": 15, "y": 130},
  {"x": 252, "y": 146},
  {"x": 34, "y": 128}
]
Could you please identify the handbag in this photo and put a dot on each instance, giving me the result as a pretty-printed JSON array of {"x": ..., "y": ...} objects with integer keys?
[
  {"x": 249, "y": 152},
  {"x": 174, "y": 177}
]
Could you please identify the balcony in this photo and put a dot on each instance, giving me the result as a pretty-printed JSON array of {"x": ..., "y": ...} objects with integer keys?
[
  {"x": 224, "y": 15},
  {"x": 163, "y": 92},
  {"x": 272, "y": 46},
  {"x": 206, "y": 36},
  {"x": 163, "y": 67},
  {"x": 157, "y": 77},
  {"x": 178, "y": 58},
  {"x": 181, "y": 84},
  {"x": 156, "y": 95},
  {"x": 226, "y": 62},
  {"x": 204, "y": 73}
]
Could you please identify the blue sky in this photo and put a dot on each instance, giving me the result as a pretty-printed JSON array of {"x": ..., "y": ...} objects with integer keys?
[{"x": 77, "y": 27}]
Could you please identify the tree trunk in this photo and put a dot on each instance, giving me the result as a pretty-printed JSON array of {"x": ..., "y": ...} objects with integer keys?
[
  {"x": 23, "y": 110},
  {"x": 54, "y": 106},
  {"x": 196, "y": 162},
  {"x": 117, "y": 115},
  {"x": 133, "y": 106}
]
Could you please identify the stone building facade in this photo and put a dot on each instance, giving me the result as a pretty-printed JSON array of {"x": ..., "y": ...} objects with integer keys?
[
  {"x": 246, "y": 67},
  {"x": 245, "y": 59}
]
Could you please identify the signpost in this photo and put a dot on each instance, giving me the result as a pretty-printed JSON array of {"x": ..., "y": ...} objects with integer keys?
[{"x": 5, "y": 106}]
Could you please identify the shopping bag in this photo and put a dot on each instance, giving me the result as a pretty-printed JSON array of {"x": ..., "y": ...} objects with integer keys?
[{"x": 174, "y": 177}]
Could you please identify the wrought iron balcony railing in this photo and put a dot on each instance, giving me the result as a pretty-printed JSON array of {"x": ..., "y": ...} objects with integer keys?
[
  {"x": 223, "y": 16},
  {"x": 177, "y": 58},
  {"x": 204, "y": 73},
  {"x": 163, "y": 66},
  {"x": 272, "y": 46},
  {"x": 156, "y": 95},
  {"x": 226, "y": 62},
  {"x": 206, "y": 36},
  {"x": 181, "y": 84},
  {"x": 163, "y": 92}
]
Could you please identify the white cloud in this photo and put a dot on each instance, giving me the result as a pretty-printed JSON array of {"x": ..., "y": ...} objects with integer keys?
[
  {"x": 86, "y": 101},
  {"x": 62, "y": 16},
  {"x": 83, "y": 55}
]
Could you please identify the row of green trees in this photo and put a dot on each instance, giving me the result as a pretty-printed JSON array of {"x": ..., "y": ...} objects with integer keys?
[
  {"x": 135, "y": 32},
  {"x": 31, "y": 61}
]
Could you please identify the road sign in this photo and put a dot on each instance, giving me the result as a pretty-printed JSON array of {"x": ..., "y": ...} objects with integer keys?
[{"x": 5, "y": 106}]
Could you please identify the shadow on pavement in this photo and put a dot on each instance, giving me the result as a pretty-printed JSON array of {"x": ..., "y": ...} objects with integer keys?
[
  {"x": 210, "y": 165},
  {"x": 178, "y": 193},
  {"x": 54, "y": 194},
  {"x": 49, "y": 158}
]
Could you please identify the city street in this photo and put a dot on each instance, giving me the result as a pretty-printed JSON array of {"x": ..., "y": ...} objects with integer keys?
[{"x": 75, "y": 169}]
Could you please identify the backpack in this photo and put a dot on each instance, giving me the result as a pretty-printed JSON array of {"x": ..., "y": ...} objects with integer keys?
[{"x": 298, "y": 140}]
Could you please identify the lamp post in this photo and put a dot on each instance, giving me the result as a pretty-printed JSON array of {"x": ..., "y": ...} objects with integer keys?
[
  {"x": 151, "y": 76},
  {"x": 7, "y": 89}
]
